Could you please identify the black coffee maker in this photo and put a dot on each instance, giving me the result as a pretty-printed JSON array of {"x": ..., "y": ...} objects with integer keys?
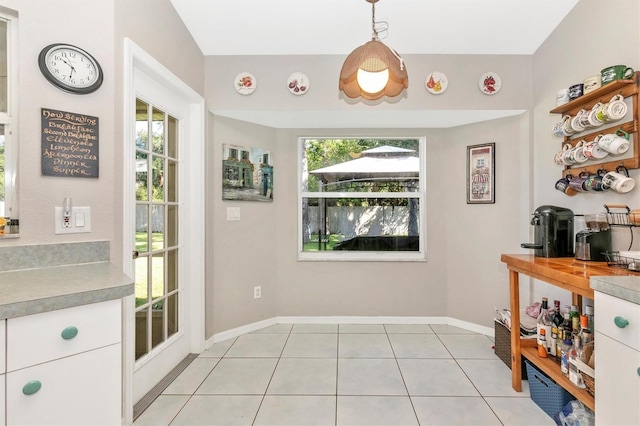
[{"x": 552, "y": 232}]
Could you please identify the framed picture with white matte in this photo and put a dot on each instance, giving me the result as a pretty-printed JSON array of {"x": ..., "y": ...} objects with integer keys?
[{"x": 481, "y": 173}]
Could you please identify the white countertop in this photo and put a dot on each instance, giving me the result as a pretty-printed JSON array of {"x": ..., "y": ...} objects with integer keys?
[
  {"x": 31, "y": 291},
  {"x": 622, "y": 287}
]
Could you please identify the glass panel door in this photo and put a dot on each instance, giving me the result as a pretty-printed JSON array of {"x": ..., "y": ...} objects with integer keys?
[{"x": 157, "y": 290}]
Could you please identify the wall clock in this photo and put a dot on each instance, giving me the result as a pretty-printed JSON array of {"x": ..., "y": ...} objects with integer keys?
[{"x": 70, "y": 68}]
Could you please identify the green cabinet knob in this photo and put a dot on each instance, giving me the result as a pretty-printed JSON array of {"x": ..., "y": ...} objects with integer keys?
[
  {"x": 638, "y": 371},
  {"x": 31, "y": 387},
  {"x": 620, "y": 322},
  {"x": 69, "y": 333}
]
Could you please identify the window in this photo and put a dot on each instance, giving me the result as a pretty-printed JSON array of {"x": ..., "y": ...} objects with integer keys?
[
  {"x": 361, "y": 199},
  {"x": 8, "y": 119}
]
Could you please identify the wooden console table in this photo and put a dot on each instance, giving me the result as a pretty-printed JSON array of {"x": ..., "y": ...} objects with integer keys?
[{"x": 564, "y": 272}]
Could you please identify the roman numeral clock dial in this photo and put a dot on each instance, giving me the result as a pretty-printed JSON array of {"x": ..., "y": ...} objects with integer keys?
[{"x": 70, "y": 68}]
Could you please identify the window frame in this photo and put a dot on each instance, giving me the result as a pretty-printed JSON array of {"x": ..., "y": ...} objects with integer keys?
[
  {"x": 9, "y": 119},
  {"x": 339, "y": 255}
]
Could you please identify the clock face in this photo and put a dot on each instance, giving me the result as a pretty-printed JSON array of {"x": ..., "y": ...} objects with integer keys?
[{"x": 70, "y": 68}]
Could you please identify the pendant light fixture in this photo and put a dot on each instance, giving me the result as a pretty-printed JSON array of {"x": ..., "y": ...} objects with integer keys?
[{"x": 373, "y": 70}]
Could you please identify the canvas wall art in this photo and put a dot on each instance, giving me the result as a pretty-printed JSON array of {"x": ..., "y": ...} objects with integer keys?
[{"x": 247, "y": 173}]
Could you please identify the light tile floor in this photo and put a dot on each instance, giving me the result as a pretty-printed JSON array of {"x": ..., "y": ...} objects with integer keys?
[{"x": 347, "y": 374}]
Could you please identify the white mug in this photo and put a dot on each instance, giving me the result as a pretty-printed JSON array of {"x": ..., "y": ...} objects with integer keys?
[
  {"x": 592, "y": 83},
  {"x": 593, "y": 150},
  {"x": 577, "y": 123},
  {"x": 613, "y": 142},
  {"x": 616, "y": 108},
  {"x": 558, "y": 158},
  {"x": 618, "y": 181},
  {"x": 577, "y": 155},
  {"x": 593, "y": 116},
  {"x": 562, "y": 97}
]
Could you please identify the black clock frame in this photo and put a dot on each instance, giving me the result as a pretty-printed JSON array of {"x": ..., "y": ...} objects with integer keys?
[{"x": 42, "y": 59}]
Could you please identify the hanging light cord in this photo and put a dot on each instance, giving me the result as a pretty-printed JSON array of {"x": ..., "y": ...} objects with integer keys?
[{"x": 385, "y": 27}]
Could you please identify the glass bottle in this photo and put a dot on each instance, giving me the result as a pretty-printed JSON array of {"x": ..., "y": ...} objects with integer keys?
[
  {"x": 559, "y": 341},
  {"x": 542, "y": 344},
  {"x": 557, "y": 318},
  {"x": 575, "y": 353},
  {"x": 566, "y": 325},
  {"x": 588, "y": 310},
  {"x": 553, "y": 349},
  {"x": 544, "y": 322},
  {"x": 564, "y": 359},
  {"x": 575, "y": 319},
  {"x": 585, "y": 332}
]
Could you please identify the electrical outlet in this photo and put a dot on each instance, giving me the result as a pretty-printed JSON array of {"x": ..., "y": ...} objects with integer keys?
[
  {"x": 257, "y": 292},
  {"x": 78, "y": 222},
  {"x": 233, "y": 213}
]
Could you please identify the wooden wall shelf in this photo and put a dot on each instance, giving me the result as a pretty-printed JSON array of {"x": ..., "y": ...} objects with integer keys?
[{"x": 626, "y": 88}]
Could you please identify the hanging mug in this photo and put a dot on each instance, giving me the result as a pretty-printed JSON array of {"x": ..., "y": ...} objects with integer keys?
[
  {"x": 593, "y": 151},
  {"x": 616, "y": 108},
  {"x": 616, "y": 143},
  {"x": 577, "y": 153},
  {"x": 566, "y": 125},
  {"x": 594, "y": 182},
  {"x": 593, "y": 116},
  {"x": 558, "y": 158},
  {"x": 563, "y": 186},
  {"x": 577, "y": 182},
  {"x": 619, "y": 180},
  {"x": 577, "y": 123}
]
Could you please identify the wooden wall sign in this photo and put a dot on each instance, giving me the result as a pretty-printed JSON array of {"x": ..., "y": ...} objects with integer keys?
[{"x": 69, "y": 144}]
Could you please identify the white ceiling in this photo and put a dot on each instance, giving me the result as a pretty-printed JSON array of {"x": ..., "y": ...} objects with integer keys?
[{"x": 317, "y": 27}]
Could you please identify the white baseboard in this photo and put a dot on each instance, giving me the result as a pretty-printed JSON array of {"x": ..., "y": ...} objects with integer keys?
[{"x": 249, "y": 328}]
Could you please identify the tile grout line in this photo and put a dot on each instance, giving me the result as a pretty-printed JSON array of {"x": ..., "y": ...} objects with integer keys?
[{"x": 272, "y": 374}]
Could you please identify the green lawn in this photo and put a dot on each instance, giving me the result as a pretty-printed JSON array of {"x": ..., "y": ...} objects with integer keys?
[
  {"x": 313, "y": 245},
  {"x": 157, "y": 268}
]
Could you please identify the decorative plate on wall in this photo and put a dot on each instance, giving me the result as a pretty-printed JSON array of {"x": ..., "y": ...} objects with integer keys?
[
  {"x": 489, "y": 83},
  {"x": 436, "y": 83},
  {"x": 298, "y": 83},
  {"x": 245, "y": 83}
]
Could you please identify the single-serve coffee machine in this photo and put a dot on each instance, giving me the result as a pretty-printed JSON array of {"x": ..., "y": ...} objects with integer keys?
[
  {"x": 553, "y": 232},
  {"x": 593, "y": 242}
]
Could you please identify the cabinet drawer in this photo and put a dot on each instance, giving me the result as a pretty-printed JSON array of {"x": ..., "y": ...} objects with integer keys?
[
  {"x": 83, "y": 389},
  {"x": 38, "y": 338},
  {"x": 607, "y": 309}
]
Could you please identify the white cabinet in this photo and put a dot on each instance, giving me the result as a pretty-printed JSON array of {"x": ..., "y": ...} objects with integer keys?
[
  {"x": 83, "y": 389},
  {"x": 617, "y": 326},
  {"x": 64, "y": 367},
  {"x": 2, "y": 367},
  {"x": 2, "y": 410}
]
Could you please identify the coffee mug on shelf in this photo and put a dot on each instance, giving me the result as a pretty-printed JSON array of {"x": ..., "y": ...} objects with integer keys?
[
  {"x": 575, "y": 91},
  {"x": 619, "y": 180},
  {"x": 563, "y": 186},
  {"x": 616, "y": 143},
  {"x": 594, "y": 182},
  {"x": 593, "y": 115},
  {"x": 577, "y": 155},
  {"x": 566, "y": 123},
  {"x": 562, "y": 97},
  {"x": 579, "y": 123},
  {"x": 592, "y": 83},
  {"x": 616, "y": 72},
  {"x": 558, "y": 158},
  {"x": 593, "y": 151},
  {"x": 577, "y": 182},
  {"x": 616, "y": 108}
]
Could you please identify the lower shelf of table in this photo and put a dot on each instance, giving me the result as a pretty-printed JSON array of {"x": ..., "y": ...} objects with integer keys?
[{"x": 551, "y": 367}]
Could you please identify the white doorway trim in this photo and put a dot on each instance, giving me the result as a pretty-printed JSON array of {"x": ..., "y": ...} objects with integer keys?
[{"x": 192, "y": 215}]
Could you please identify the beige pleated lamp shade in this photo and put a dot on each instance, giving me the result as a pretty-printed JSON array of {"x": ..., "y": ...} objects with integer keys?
[{"x": 373, "y": 57}]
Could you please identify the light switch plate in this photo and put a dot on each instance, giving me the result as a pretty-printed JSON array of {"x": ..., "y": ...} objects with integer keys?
[
  {"x": 233, "y": 213},
  {"x": 77, "y": 214}
]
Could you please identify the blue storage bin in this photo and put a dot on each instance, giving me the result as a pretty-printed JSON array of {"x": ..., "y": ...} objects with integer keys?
[{"x": 545, "y": 392}]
